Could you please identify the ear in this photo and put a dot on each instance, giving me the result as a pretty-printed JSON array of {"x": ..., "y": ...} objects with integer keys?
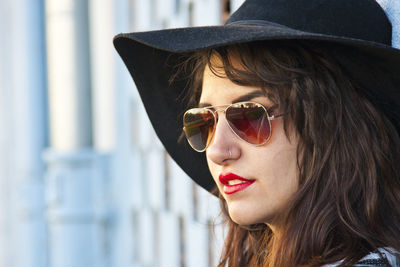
[{"x": 392, "y": 10}]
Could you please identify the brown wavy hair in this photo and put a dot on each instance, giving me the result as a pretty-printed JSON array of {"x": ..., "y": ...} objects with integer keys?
[{"x": 348, "y": 201}]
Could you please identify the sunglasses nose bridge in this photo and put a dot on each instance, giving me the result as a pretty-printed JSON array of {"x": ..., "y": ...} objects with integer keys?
[
  {"x": 220, "y": 109},
  {"x": 215, "y": 111}
]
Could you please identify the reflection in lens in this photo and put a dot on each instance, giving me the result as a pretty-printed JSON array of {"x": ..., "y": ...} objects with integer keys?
[
  {"x": 249, "y": 121},
  {"x": 198, "y": 126}
]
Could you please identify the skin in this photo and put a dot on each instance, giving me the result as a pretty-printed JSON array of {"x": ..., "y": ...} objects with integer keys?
[{"x": 273, "y": 165}]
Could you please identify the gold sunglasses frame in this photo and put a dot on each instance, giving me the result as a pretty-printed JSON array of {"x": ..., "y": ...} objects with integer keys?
[{"x": 215, "y": 109}]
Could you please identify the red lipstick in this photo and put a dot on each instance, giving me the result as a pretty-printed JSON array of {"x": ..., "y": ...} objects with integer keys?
[{"x": 234, "y": 183}]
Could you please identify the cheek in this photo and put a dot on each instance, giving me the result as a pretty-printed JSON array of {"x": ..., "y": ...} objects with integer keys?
[
  {"x": 212, "y": 167},
  {"x": 285, "y": 163},
  {"x": 277, "y": 170},
  {"x": 282, "y": 151},
  {"x": 277, "y": 164}
]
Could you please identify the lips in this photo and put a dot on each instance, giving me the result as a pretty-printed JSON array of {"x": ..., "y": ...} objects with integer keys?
[{"x": 234, "y": 183}]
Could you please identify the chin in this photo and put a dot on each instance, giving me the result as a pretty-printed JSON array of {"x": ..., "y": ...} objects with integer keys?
[{"x": 243, "y": 216}]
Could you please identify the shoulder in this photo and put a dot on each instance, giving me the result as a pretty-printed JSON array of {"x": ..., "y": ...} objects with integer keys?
[{"x": 377, "y": 259}]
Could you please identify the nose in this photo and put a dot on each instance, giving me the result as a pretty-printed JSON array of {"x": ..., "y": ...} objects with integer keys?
[{"x": 224, "y": 145}]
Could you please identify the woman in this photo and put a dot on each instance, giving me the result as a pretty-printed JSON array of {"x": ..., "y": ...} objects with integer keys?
[{"x": 298, "y": 116}]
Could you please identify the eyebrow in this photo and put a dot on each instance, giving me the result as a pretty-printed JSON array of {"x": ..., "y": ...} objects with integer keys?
[{"x": 242, "y": 98}]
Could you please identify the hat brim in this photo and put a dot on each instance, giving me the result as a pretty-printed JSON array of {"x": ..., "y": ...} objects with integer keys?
[{"x": 145, "y": 54}]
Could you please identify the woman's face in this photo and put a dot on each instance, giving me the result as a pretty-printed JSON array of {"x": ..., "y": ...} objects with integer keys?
[{"x": 270, "y": 170}]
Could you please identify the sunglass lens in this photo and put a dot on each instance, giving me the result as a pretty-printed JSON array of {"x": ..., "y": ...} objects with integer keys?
[
  {"x": 250, "y": 122},
  {"x": 198, "y": 127}
]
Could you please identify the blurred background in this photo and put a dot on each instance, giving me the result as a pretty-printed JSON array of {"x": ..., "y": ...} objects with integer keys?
[{"x": 83, "y": 179}]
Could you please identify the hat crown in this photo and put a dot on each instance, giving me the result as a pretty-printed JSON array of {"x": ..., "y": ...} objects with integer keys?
[{"x": 358, "y": 19}]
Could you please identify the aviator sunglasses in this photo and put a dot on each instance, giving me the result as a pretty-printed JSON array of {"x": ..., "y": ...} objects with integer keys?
[{"x": 249, "y": 121}]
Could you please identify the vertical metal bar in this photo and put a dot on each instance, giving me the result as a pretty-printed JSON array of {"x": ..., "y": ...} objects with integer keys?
[
  {"x": 75, "y": 171},
  {"x": 69, "y": 74},
  {"x": 103, "y": 73}
]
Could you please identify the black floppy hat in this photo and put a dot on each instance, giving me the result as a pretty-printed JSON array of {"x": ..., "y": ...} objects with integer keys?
[{"x": 355, "y": 24}]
